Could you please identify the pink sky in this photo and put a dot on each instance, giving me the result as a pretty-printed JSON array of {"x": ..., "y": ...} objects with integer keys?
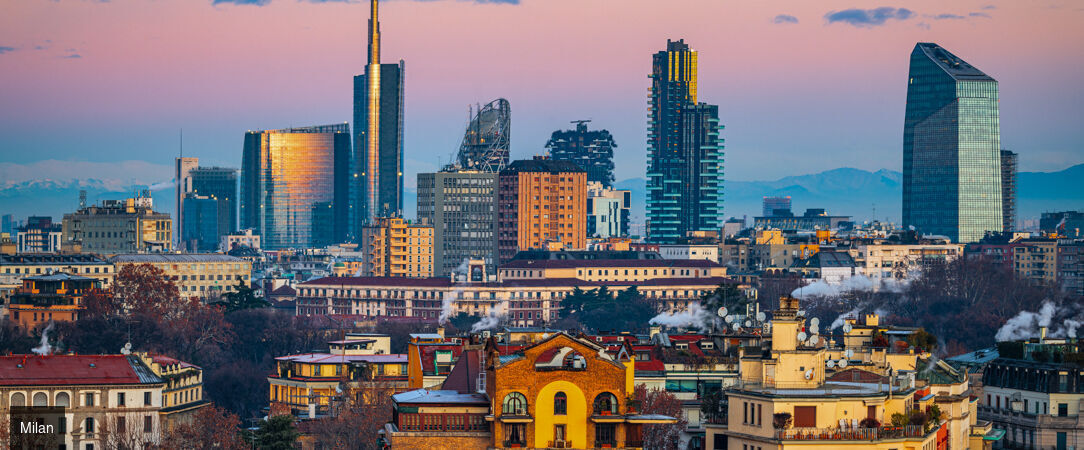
[{"x": 796, "y": 98}]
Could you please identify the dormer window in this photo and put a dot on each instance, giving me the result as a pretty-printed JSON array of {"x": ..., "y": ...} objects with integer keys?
[{"x": 682, "y": 345}]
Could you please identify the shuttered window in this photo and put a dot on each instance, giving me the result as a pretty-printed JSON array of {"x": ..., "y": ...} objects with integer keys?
[{"x": 805, "y": 416}]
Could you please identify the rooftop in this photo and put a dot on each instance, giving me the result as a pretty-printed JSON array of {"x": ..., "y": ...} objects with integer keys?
[
  {"x": 591, "y": 263},
  {"x": 175, "y": 258},
  {"x": 438, "y": 397},
  {"x": 47, "y": 259},
  {"x": 954, "y": 66},
  {"x": 542, "y": 165},
  {"x": 69, "y": 370},
  {"x": 327, "y": 358},
  {"x": 59, "y": 276}
]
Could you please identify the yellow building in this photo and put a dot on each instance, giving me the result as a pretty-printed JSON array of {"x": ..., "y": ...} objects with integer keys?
[
  {"x": 394, "y": 247},
  {"x": 119, "y": 226},
  {"x": 1036, "y": 260},
  {"x": 182, "y": 394},
  {"x": 203, "y": 276},
  {"x": 14, "y": 268},
  {"x": 803, "y": 392},
  {"x": 303, "y": 384},
  {"x": 768, "y": 250},
  {"x": 561, "y": 392}
]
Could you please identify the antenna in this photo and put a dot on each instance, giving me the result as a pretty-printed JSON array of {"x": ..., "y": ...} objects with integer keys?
[{"x": 182, "y": 142}]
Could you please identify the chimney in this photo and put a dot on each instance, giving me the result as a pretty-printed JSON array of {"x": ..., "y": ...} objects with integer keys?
[
  {"x": 655, "y": 329},
  {"x": 440, "y": 331},
  {"x": 1042, "y": 334}
]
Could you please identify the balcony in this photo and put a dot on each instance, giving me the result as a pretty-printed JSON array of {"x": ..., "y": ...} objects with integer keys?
[{"x": 853, "y": 434}]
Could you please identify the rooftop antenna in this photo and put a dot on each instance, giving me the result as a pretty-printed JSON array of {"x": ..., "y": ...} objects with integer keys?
[{"x": 181, "y": 142}]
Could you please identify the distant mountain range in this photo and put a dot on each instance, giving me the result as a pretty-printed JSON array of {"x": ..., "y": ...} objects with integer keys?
[
  {"x": 843, "y": 191},
  {"x": 859, "y": 193}
]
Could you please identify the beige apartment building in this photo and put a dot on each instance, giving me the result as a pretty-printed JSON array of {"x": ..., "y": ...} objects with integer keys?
[
  {"x": 888, "y": 261},
  {"x": 393, "y": 247},
  {"x": 119, "y": 226},
  {"x": 202, "y": 276}
]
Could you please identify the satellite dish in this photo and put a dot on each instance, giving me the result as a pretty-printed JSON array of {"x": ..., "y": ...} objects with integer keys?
[
  {"x": 809, "y": 374},
  {"x": 748, "y": 323},
  {"x": 814, "y": 321},
  {"x": 842, "y": 363},
  {"x": 722, "y": 311},
  {"x": 761, "y": 316},
  {"x": 847, "y": 328},
  {"x": 801, "y": 336},
  {"x": 814, "y": 328},
  {"x": 812, "y": 342},
  {"x": 850, "y": 353},
  {"x": 801, "y": 312},
  {"x": 831, "y": 363},
  {"x": 729, "y": 319}
]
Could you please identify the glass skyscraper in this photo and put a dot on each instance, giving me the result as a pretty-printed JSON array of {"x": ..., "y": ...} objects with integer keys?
[
  {"x": 286, "y": 174},
  {"x": 685, "y": 152},
  {"x": 592, "y": 150},
  {"x": 378, "y": 136},
  {"x": 951, "y": 147}
]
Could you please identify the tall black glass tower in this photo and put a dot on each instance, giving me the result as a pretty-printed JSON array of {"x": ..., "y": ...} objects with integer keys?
[
  {"x": 378, "y": 135},
  {"x": 951, "y": 147}
]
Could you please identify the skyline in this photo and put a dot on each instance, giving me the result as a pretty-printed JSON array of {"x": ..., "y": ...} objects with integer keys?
[{"x": 866, "y": 105}]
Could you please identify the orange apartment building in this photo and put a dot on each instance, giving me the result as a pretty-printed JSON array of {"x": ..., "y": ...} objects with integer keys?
[
  {"x": 542, "y": 203},
  {"x": 394, "y": 247},
  {"x": 54, "y": 297}
]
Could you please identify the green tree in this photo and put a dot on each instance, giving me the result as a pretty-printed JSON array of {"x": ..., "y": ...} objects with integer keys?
[
  {"x": 278, "y": 433},
  {"x": 243, "y": 297}
]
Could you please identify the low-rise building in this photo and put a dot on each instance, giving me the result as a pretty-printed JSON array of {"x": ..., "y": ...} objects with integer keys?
[
  {"x": 304, "y": 385},
  {"x": 608, "y": 211},
  {"x": 87, "y": 401},
  {"x": 813, "y": 219},
  {"x": 244, "y": 238},
  {"x": 883, "y": 261},
  {"x": 13, "y": 268},
  {"x": 202, "y": 276},
  {"x": 182, "y": 392},
  {"x": 1071, "y": 267},
  {"x": 119, "y": 226},
  {"x": 1034, "y": 392},
  {"x": 47, "y": 298},
  {"x": 561, "y": 392}
]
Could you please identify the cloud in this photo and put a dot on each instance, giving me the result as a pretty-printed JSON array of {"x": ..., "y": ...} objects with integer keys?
[
  {"x": 989, "y": 7},
  {"x": 979, "y": 14},
  {"x": 785, "y": 18},
  {"x": 946, "y": 17},
  {"x": 868, "y": 17},
  {"x": 924, "y": 25},
  {"x": 4, "y": 49},
  {"x": 242, "y": 2},
  {"x": 72, "y": 56}
]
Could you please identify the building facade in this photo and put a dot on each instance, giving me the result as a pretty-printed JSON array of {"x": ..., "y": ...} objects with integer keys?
[
  {"x": 813, "y": 219},
  {"x": 608, "y": 211},
  {"x": 1008, "y": 189},
  {"x": 182, "y": 169},
  {"x": 394, "y": 247},
  {"x": 203, "y": 276},
  {"x": 462, "y": 207},
  {"x": 119, "y": 226},
  {"x": 592, "y": 150},
  {"x": 14, "y": 268},
  {"x": 48, "y": 298},
  {"x": 285, "y": 173},
  {"x": 200, "y": 223},
  {"x": 952, "y": 167},
  {"x": 378, "y": 134},
  {"x": 899, "y": 261},
  {"x": 541, "y": 202},
  {"x": 90, "y": 401},
  {"x": 219, "y": 183},
  {"x": 771, "y": 204},
  {"x": 685, "y": 152},
  {"x": 38, "y": 235},
  {"x": 1067, "y": 224},
  {"x": 182, "y": 389}
]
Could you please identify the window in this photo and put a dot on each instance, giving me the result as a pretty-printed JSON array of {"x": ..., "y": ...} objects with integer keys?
[
  {"x": 560, "y": 403},
  {"x": 120, "y": 399},
  {"x": 62, "y": 425},
  {"x": 605, "y": 404},
  {"x": 517, "y": 433},
  {"x": 89, "y": 427},
  {"x": 559, "y": 432},
  {"x": 148, "y": 424},
  {"x": 604, "y": 434},
  {"x": 147, "y": 399},
  {"x": 89, "y": 400},
  {"x": 514, "y": 404},
  {"x": 1063, "y": 409},
  {"x": 122, "y": 425}
]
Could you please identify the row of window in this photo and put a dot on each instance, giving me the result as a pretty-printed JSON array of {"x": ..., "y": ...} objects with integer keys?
[{"x": 63, "y": 399}]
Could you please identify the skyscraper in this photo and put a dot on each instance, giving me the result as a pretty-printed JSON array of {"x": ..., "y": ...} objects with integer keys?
[
  {"x": 462, "y": 207},
  {"x": 592, "y": 150},
  {"x": 284, "y": 173},
  {"x": 951, "y": 148},
  {"x": 182, "y": 169},
  {"x": 1008, "y": 189},
  {"x": 486, "y": 142},
  {"x": 378, "y": 135},
  {"x": 219, "y": 183},
  {"x": 685, "y": 153}
]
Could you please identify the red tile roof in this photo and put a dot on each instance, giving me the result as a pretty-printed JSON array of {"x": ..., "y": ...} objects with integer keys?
[
  {"x": 167, "y": 361},
  {"x": 59, "y": 370}
]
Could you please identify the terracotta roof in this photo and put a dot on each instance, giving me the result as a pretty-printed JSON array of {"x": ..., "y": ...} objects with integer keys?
[
  {"x": 381, "y": 281},
  {"x": 167, "y": 361},
  {"x": 327, "y": 358},
  {"x": 590, "y": 263},
  {"x": 403, "y": 282},
  {"x": 60, "y": 370},
  {"x": 284, "y": 290}
]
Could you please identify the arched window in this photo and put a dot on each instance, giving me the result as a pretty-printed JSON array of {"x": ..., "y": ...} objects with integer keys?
[
  {"x": 18, "y": 399},
  {"x": 605, "y": 404},
  {"x": 40, "y": 399},
  {"x": 63, "y": 400},
  {"x": 514, "y": 404},
  {"x": 560, "y": 403}
]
